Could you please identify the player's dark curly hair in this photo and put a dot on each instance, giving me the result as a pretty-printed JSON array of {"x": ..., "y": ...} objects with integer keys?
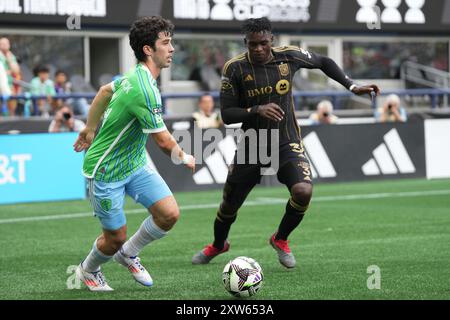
[
  {"x": 145, "y": 32},
  {"x": 256, "y": 25}
]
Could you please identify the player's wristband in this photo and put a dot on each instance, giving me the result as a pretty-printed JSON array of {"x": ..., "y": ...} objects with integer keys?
[
  {"x": 353, "y": 86},
  {"x": 186, "y": 158}
]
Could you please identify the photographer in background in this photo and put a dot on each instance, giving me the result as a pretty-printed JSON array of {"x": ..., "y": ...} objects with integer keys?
[
  {"x": 206, "y": 117},
  {"x": 64, "y": 121},
  {"x": 391, "y": 111},
  {"x": 324, "y": 114}
]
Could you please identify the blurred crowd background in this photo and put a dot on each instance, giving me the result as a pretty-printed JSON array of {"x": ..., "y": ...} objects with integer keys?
[{"x": 48, "y": 63}]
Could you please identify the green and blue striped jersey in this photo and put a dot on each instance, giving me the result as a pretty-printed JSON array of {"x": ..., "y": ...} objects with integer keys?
[{"x": 135, "y": 110}]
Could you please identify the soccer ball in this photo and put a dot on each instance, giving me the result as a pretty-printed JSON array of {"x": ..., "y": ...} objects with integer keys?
[{"x": 242, "y": 277}]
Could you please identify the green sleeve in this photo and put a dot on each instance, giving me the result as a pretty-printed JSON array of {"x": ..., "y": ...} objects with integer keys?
[
  {"x": 149, "y": 113},
  {"x": 115, "y": 85}
]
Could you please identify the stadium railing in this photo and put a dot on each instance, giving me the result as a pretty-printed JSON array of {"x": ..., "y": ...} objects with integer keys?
[{"x": 30, "y": 107}]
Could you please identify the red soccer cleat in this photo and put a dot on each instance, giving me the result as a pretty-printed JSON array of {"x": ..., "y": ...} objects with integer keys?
[
  {"x": 208, "y": 253},
  {"x": 285, "y": 255}
]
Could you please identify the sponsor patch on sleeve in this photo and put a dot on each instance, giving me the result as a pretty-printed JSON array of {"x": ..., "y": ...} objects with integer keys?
[
  {"x": 157, "y": 110},
  {"x": 226, "y": 85}
]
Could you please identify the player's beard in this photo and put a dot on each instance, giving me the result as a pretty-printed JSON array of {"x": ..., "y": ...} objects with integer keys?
[{"x": 162, "y": 63}]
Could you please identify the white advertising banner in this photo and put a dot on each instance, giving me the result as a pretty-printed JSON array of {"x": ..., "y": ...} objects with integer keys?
[{"x": 437, "y": 148}]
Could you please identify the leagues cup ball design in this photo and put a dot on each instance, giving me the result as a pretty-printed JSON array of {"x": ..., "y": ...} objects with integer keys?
[{"x": 242, "y": 277}]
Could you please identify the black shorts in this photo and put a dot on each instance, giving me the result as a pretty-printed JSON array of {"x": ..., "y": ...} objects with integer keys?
[{"x": 294, "y": 168}]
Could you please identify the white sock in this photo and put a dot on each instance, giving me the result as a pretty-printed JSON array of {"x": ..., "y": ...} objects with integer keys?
[
  {"x": 94, "y": 259},
  {"x": 147, "y": 232}
]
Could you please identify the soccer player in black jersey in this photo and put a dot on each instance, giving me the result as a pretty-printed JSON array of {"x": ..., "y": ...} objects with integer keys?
[{"x": 256, "y": 90}]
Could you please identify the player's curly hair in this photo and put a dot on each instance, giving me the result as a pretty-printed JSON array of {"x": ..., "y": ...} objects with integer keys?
[
  {"x": 145, "y": 32},
  {"x": 256, "y": 25}
]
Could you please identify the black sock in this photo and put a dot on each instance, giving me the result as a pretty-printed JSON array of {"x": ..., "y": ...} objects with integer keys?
[
  {"x": 291, "y": 219},
  {"x": 222, "y": 226}
]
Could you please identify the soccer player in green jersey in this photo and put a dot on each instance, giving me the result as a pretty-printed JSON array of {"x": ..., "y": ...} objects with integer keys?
[{"x": 115, "y": 163}]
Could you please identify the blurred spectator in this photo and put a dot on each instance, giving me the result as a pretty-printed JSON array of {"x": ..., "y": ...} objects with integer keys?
[
  {"x": 80, "y": 106},
  {"x": 12, "y": 68},
  {"x": 62, "y": 86},
  {"x": 65, "y": 121},
  {"x": 5, "y": 89},
  {"x": 391, "y": 111},
  {"x": 80, "y": 85},
  {"x": 206, "y": 117},
  {"x": 324, "y": 113},
  {"x": 41, "y": 85}
]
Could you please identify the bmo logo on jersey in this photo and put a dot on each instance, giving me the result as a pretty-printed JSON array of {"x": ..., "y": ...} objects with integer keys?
[
  {"x": 282, "y": 87},
  {"x": 13, "y": 168},
  {"x": 259, "y": 91}
]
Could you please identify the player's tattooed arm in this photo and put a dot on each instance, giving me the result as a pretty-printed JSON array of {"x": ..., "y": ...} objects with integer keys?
[{"x": 95, "y": 114}]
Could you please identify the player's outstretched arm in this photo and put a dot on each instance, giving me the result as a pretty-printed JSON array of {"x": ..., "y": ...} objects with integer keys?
[
  {"x": 95, "y": 114},
  {"x": 332, "y": 70},
  {"x": 372, "y": 90},
  {"x": 167, "y": 143}
]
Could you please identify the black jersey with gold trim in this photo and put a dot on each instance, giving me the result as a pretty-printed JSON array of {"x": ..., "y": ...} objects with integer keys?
[{"x": 246, "y": 84}]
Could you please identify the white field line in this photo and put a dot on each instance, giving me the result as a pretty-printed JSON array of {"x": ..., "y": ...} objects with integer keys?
[{"x": 252, "y": 203}]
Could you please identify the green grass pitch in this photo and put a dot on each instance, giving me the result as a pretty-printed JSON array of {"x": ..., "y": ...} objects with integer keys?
[{"x": 401, "y": 226}]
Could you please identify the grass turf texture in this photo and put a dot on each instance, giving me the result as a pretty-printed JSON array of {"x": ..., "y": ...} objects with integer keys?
[{"x": 406, "y": 236}]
